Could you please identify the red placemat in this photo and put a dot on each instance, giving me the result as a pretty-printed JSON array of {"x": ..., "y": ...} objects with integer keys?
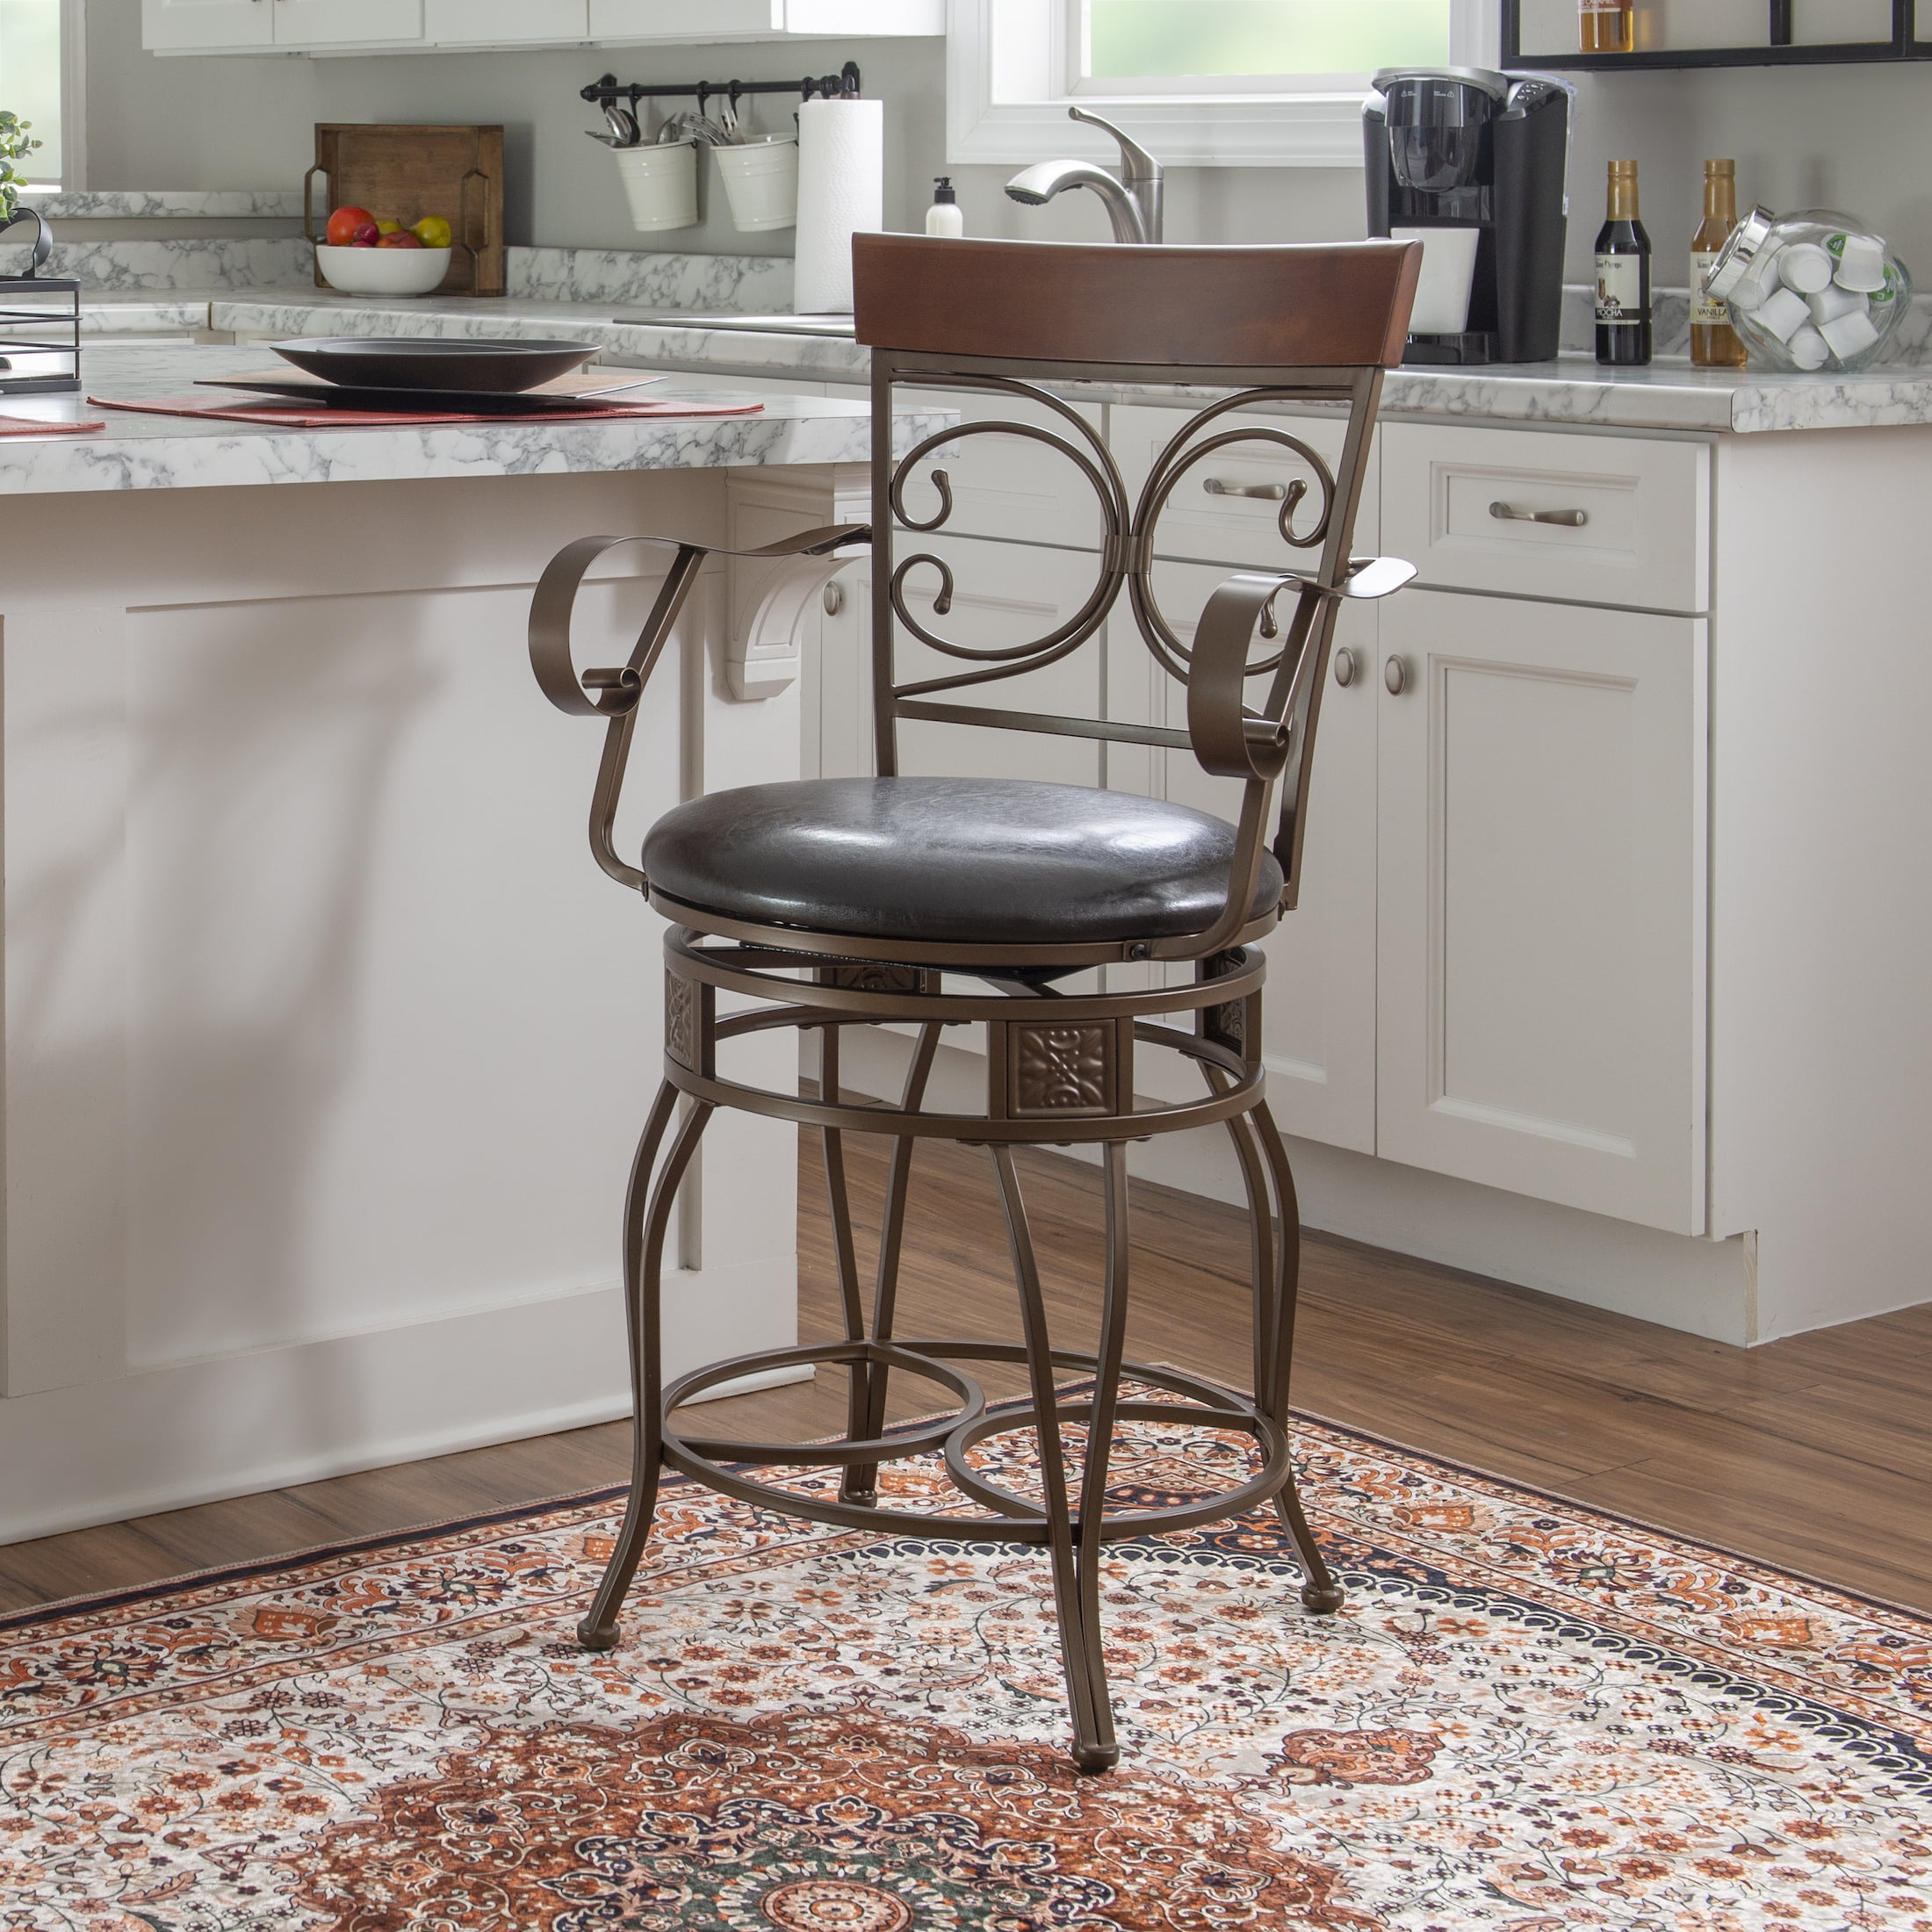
[
  {"x": 300, "y": 416},
  {"x": 32, "y": 425}
]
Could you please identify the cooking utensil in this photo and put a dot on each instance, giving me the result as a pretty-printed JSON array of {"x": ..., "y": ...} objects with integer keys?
[
  {"x": 623, "y": 124},
  {"x": 494, "y": 367}
]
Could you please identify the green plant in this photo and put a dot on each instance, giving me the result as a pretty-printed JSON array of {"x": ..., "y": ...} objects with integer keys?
[{"x": 15, "y": 144}]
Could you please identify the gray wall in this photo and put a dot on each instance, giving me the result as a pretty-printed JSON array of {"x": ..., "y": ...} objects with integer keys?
[{"x": 1856, "y": 137}]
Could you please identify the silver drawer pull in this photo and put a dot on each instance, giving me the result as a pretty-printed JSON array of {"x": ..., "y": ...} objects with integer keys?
[
  {"x": 1509, "y": 513},
  {"x": 1217, "y": 486},
  {"x": 1344, "y": 667}
]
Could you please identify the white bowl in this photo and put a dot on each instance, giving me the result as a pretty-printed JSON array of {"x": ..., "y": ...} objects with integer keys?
[{"x": 383, "y": 271}]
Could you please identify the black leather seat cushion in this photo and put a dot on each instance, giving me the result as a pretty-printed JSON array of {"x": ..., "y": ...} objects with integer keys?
[{"x": 974, "y": 860}]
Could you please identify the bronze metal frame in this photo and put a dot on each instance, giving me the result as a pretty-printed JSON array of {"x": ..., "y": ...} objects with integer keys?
[{"x": 1060, "y": 1065}]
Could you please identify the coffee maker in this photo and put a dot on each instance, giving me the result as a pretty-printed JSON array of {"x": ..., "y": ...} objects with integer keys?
[{"x": 1468, "y": 160}]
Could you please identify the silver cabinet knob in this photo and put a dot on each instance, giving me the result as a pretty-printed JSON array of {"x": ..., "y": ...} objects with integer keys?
[
  {"x": 1345, "y": 667},
  {"x": 834, "y": 598},
  {"x": 1396, "y": 676}
]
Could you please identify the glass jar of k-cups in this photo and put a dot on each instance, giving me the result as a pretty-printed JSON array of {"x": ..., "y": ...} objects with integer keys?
[{"x": 1815, "y": 291}]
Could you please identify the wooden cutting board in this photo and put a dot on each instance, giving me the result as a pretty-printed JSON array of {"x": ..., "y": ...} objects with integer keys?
[{"x": 402, "y": 172}]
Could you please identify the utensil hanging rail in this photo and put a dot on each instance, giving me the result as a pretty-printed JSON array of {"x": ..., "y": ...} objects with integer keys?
[{"x": 842, "y": 85}]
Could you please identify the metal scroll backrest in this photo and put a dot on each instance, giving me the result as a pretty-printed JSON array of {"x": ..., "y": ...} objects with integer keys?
[{"x": 1289, "y": 649}]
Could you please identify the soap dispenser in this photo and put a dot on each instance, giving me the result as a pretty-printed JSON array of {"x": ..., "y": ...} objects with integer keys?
[{"x": 943, "y": 217}]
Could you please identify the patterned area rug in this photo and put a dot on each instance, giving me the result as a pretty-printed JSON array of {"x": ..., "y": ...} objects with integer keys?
[{"x": 1529, "y": 1717}]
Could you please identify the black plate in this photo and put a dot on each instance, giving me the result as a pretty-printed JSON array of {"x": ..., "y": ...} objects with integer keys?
[
  {"x": 457, "y": 403},
  {"x": 371, "y": 361}
]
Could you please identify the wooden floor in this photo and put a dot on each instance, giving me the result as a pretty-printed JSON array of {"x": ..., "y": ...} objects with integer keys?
[{"x": 1815, "y": 1453}]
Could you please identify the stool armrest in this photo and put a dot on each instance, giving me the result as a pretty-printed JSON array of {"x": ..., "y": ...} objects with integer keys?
[{"x": 613, "y": 693}]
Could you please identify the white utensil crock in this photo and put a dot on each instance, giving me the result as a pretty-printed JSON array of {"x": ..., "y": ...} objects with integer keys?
[
  {"x": 761, "y": 183},
  {"x": 660, "y": 183}
]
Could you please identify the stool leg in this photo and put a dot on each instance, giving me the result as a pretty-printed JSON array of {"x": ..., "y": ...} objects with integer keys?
[
  {"x": 1094, "y": 1749},
  {"x": 643, "y": 1231},
  {"x": 1261, "y": 1245},
  {"x": 860, "y": 1481},
  {"x": 844, "y": 1252},
  {"x": 1320, "y": 1592}
]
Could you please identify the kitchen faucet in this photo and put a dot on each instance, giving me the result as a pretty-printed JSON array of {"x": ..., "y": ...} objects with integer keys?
[{"x": 1133, "y": 202}]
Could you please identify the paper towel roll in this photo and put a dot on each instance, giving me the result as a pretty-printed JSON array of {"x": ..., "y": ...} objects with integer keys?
[{"x": 841, "y": 191}]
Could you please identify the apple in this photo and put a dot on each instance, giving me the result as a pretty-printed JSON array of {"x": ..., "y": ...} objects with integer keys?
[
  {"x": 400, "y": 239},
  {"x": 432, "y": 231},
  {"x": 388, "y": 227},
  {"x": 366, "y": 236},
  {"x": 344, "y": 223}
]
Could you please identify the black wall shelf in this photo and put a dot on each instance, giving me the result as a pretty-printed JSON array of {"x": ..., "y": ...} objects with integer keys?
[{"x": 1906, "y": 44}]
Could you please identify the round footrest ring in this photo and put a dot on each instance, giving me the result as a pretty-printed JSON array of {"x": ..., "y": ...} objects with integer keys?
[{"x": 1015, "y": 1518}]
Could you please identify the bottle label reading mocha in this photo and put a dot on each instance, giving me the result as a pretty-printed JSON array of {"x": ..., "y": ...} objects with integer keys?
[{"x": 1620, "y": 288}]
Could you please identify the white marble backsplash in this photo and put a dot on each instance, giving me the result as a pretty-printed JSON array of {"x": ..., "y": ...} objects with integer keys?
[
  {"x": 188, "y": 262},
  {"x": 738, "y": 283},
  {"x": 621, "y": 280},
  {"x": 168, "y": 204}
]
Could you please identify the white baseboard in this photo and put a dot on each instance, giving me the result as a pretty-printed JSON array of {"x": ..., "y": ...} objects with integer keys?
[
  {"x": 1703, "y": 1288},
  {"x": 197, "y": 1431}
]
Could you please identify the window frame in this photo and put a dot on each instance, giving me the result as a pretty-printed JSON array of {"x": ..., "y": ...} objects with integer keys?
[
  {"x": 73, "y": 169},
  {"x": 1008, "y": 87}
]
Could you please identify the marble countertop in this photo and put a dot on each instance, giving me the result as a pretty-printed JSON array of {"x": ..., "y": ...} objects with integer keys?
[
  {"x": 1669, "y": 394},
  {"x": 162, "y": 204},
  {"x": 569, "y": 296},
  {"x": 151, "y": 452}
]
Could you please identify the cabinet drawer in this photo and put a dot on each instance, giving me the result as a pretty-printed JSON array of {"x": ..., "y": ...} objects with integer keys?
[
  {"x": 1462, "y": 505},
  {"x": 1226, "y": 509},
  {"x": 1013, "y": 486}
]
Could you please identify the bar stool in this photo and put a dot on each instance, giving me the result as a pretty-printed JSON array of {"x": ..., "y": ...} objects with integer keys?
[{"x": 851, "y": 902}]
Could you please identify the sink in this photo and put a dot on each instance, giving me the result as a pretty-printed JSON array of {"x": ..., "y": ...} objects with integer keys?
[{"x": 767, "y": 325}]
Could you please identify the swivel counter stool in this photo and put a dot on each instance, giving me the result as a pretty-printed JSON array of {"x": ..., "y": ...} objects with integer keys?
[{"x": 864, "y": 901}]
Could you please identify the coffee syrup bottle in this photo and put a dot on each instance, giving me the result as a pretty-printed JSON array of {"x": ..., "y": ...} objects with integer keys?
[
  {"x": 1714, "y": 343},
  {"x": 1623, "y": 276}
]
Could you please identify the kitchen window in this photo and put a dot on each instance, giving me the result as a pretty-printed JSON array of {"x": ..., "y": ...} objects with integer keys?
[
  {"x": 1228, "y": 83},
  {"x": 31, "y": 36}
]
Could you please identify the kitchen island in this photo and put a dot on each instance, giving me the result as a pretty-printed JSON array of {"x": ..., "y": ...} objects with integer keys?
[{"x": 326, "y": 1042}]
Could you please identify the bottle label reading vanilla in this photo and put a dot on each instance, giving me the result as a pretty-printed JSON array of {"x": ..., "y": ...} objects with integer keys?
[
  {"x": 1706, "y": 310},
  {"x": 1620, "y": 288}
]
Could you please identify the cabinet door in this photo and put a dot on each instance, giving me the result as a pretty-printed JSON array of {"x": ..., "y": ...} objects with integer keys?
[
  {"x": 679, "y": 20},
  {"x": 1227, "y": 507},
  {"x": 1003, "y": 594},
  {"x": 761, "y": 20},
  {"x": 1012, "y": 487},
  {"x": 1318, "y": 1010},
  {"x": 169, "y": 26},
  {"x": 346, "y": 22},
  {"x": 503, "y": 23},
  {"x": 1542, "y": 835}
]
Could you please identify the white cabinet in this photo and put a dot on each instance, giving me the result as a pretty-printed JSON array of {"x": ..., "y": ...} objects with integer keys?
[
  {"x": 301, "y": 23},
  {"x": 171, "y": 26},
  {"x": 303, "y": 26},
  {"x": 759, "y": 20},
  {"x": 1012, "y": 487},
  {"x": 1540, "y": 966},
  {"x": 504, "y": 23},
  {"x": 1318, "y": 1014},
  {"x": 1002, "y": 595},
  {"x": 1589, "y": 519},
  {"x": 1497, "y": 968},
  {"x": 295, "y": 26}
]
